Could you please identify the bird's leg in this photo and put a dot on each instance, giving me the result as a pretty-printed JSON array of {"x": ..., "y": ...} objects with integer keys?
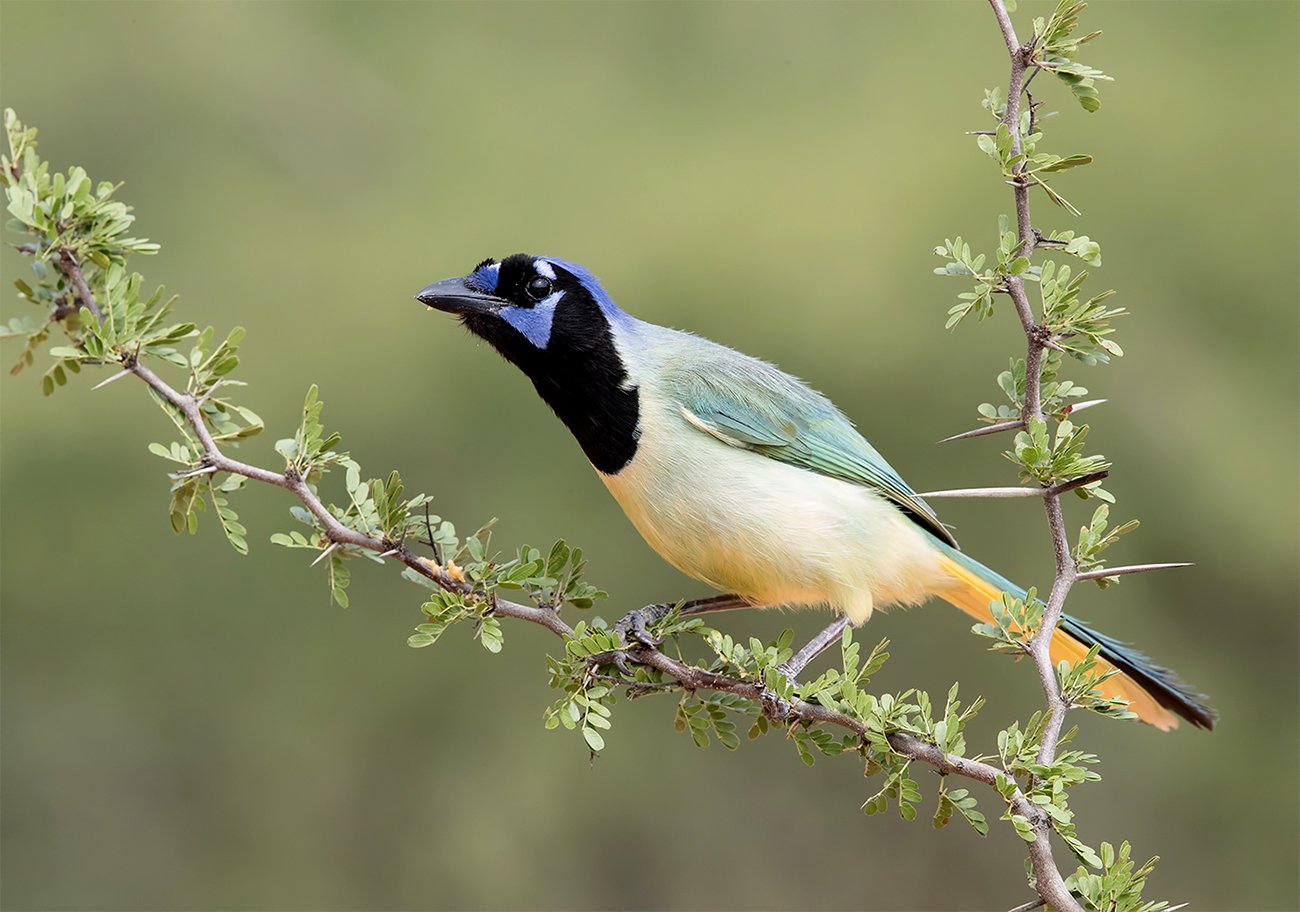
[
  {"x": 814, "y": 647},
  {"x": 633, "y": 628},
  {"x": 773, "y": 705}
]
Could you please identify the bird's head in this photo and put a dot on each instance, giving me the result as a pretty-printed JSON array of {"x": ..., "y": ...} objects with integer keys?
[
  {"x": 556, "y": 324},
  {"x": 526, "y": 305}
]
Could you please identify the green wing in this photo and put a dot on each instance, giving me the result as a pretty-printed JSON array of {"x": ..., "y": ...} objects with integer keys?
[{"x": 752, "y": 405}]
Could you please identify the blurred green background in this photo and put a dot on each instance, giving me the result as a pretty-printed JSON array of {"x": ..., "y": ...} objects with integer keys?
[{"x": 185, "y": 728}]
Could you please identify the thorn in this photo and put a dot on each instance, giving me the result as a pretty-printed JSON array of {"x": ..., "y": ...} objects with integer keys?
[
  {"x": 1016, "y": 423},
  {"x": 1105, "y": 572},
  {"x": 389, "y": 553},
  {"x": 986, "y": 492},
  {"x": 433, "y": 545},
  {"x": 1080, "y": 406},
  {"x": 324, "y": 554},
  {"x": 118, "y": 376},
  {"x": 986, "y": 430},
  {"x": 206, "y": 470},
  {"x": 1052, "y": 491}
]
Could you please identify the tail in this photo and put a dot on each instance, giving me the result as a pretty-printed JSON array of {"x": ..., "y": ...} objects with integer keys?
[{"x": 1155, "y": 694}]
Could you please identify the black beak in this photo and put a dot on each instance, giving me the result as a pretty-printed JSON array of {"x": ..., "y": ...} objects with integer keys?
[{"x": 454, "y": 296}]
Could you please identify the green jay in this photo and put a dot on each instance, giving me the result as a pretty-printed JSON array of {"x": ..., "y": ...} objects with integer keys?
[{"x": 744, "y": 477}]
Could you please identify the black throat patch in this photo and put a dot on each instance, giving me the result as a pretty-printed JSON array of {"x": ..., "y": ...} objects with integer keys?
[{"x": 579, "y": 374}]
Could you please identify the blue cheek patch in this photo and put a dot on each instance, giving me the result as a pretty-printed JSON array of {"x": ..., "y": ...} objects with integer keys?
[{"x": 534, "y": 323}]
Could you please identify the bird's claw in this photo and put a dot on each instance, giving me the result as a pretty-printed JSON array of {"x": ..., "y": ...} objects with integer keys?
[
  {"x": 634, "y": 630},
  {"x": 774, "y": 707},
  {"x": 620, "y": 662}
]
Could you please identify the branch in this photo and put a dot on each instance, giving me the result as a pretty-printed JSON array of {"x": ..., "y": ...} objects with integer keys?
[
  {"x": 693, "y": 678},
  {"x": 72, "y": 269},
  {"x": 1051, "y": 886},
  {"x": 337, "y": 533}
]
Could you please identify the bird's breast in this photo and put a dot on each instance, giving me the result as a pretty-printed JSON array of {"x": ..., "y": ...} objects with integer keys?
[{"x": 772, "y": 532}]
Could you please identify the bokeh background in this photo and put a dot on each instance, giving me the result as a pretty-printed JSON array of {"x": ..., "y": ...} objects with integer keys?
[{"x": 184, "y": 728}]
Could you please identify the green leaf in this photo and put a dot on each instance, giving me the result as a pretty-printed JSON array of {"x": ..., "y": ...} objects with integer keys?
[
  {"x": 1070, "y": 161},
  {"x": 1024, "y": 829},
  {"x": 491, "y": 636}
]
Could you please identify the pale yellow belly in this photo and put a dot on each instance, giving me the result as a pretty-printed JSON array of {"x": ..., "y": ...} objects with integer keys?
[{"x": 773, "y": 533}]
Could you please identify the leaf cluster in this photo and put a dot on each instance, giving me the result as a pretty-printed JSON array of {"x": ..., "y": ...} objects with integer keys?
[
  {"x": 1057, "y": 397},
  {"x": 1060, "y": 458},
  {"x": 1095, "y": 538},
  {"x": 1055, "y": 49},
  {"x": 1119, "y": 886}
]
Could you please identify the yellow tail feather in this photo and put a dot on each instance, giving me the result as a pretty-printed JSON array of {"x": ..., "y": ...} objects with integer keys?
[{"x": 972, "y": 595}]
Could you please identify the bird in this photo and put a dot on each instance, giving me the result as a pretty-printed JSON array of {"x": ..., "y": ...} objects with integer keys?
[{"x": 745, "y": 477}]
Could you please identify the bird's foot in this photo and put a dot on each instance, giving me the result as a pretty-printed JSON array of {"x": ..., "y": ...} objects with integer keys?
[
  {"x": 774, "y": 706},
  {"x": 634, "y": 630}
]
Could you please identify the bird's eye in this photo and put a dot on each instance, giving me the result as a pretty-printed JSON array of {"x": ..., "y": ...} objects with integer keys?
[{"x": 538, "y": 287}]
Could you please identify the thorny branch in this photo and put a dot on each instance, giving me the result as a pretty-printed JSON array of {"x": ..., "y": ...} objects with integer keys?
[
  {"x": 1050, "y": 885},
  {"x": 338, "y": 534}
]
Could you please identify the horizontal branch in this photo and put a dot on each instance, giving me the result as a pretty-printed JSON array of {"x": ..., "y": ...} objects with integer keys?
[
  {"x": 335, "y": 531},
  {"x": 692, "y": 677}
]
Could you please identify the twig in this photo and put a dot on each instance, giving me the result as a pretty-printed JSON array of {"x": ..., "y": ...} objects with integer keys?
[
  {"x": 337, "y": 533},
  {"x": 208, "y": 395},
  {"x": 72, "y": 269},
  {"x": 815, "y": 647},
  {"x": 1029, "y": 906}
]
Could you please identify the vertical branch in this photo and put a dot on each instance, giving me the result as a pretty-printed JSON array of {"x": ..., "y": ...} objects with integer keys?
[{"x": 1051, "y": 886}]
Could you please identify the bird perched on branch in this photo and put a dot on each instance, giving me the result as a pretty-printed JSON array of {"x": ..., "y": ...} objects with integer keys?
[{"x": 742, "y": 476}]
